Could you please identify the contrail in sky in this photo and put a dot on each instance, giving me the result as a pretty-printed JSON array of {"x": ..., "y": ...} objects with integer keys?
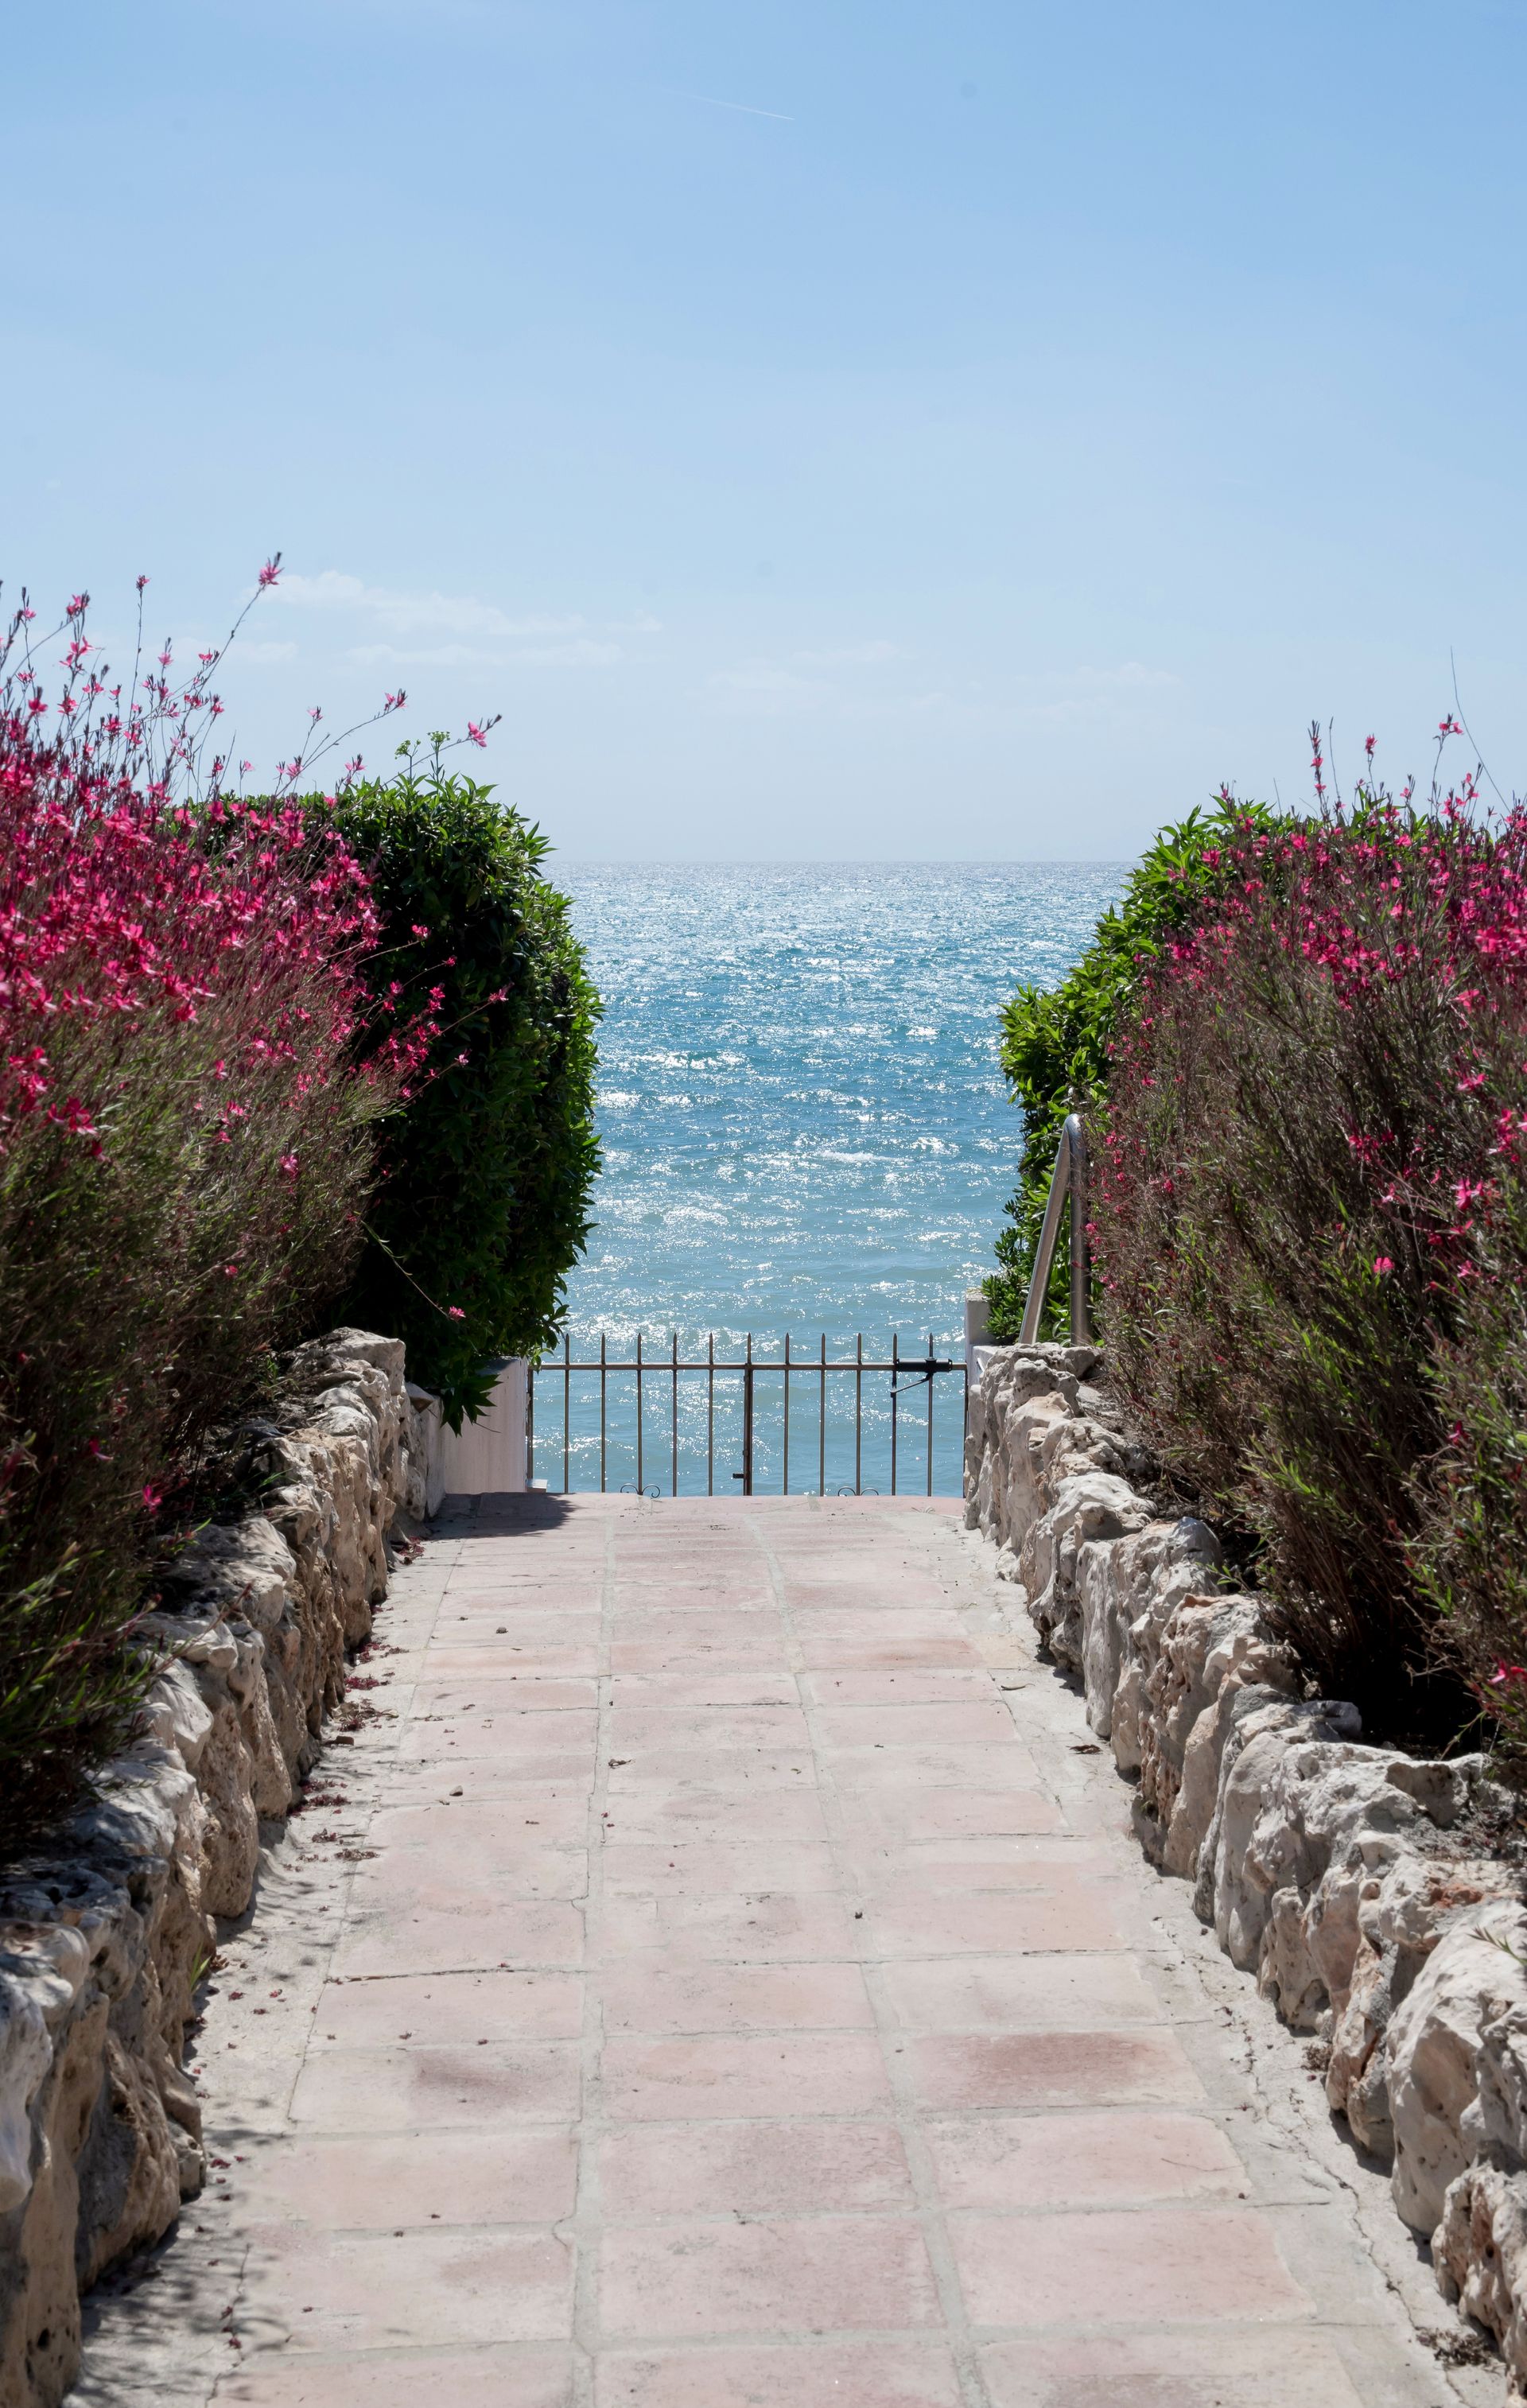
[{"x": 740, "y": 105}]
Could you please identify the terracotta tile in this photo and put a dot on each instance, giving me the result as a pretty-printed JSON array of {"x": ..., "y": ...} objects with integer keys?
[
  {"x": 663, "y": 1996},
  {"x": 872, "y": 1596},
  {"x": 762, "y": 1928},
  {"x": 1191, "y": 2265},
  {"x": 501, "y": 2176},
  {"x": 456, "y": 1881},
  {"x": 524, "y": 1692},
  {"x": 738, "y": 1592},
  {"x": 776, "y": 2074},
  {"x": 647, "y": 1731},
  {"x": 378, "y": 2291},
  {"x": 912, "y": 1685},
  {"x": 469, "y": 1662},
  {"x": 532, "y": 1740},
  {"x": 463, "y": 1938},
  {"x": 677, "y": 1650},
  {"x": 820, "y": 2274},
  {"x": 1082, "y": 2160},
  {"x": 718, "y": 1688},
  {"x": 682, "y": 1864},
  {"x": 997, "y": 1993},
  {"x": 1226, "y": 2370},
  {"x": 761, "y": 2168},
  {"x": 999, "y": 1862},
  {"x": 985, "y": 1768},
  {"x": 853, "y": 2375},
  {"x": 734, "y": 1768},
  {"x": 523, "y": 2377},
  {"x": 782, "y": 1818},
  {"x": 932, "y": 1723},
  {"x": 653, "y": 1624},
  {"x": 441, "y": 2008},
  {"x": 405, "y": 2088},
  {"x": 1064, "y": 2069},
  {"x": 886, "y": 1626},
  {"x": 990, "y": 1925},
  {"x": 891, "y": 1650},
  {"x": 432, "y": 1780},
  {"x": 523, "y": 1815},
  {"x": 913, "y": 1814}
]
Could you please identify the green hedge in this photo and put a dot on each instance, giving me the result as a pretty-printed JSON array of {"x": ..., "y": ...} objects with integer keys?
[
  {"x": 486, "y": 1173},
  {"x": 1055, "y": 1041}
]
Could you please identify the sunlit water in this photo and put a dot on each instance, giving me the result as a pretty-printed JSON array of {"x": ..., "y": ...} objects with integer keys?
[{"x": 805, "y": 1131}]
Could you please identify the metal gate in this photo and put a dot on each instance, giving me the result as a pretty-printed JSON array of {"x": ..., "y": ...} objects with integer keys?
[{"x": 789, "y": 1424}]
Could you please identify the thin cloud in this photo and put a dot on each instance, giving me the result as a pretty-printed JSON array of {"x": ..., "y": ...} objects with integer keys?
[
  {"x": 456, "y": 614},
  {"x": 782, "y": 689}
]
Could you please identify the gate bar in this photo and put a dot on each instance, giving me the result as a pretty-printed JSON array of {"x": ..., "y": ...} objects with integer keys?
[{"x": 923, "y": 1373}]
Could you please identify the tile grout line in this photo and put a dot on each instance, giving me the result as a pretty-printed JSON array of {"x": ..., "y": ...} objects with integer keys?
[
  {"x": 587, "y": 2224},
  {"x": 373, "y": 1778},
  {"x": 930, "y": 2208}
]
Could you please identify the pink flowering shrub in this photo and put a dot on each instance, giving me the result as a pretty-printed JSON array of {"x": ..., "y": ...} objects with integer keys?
[
  {"x": 1310, "y": 1225},
  {"x": 186, "y": 1143}
]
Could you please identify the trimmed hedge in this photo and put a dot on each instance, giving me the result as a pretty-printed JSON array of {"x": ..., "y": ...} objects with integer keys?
[
  {"x": 1056, "y": 1041},
  {"x": 486, "y": 1173}
]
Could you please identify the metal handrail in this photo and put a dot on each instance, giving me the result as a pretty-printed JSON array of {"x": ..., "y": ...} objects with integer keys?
[{"x": 1069, "y": 1177}]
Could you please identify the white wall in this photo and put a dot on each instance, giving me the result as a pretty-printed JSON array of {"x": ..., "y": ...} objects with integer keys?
[{"x": 486, "y": 1459}]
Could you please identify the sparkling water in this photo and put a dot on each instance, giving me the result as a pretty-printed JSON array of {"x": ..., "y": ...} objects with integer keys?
[{"x": 805, "y": 1130}]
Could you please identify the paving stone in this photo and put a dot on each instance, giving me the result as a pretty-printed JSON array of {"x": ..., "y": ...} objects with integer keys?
[
  {"x": 737, "y": 1993},
  {"x": 819, "y": 2274}
]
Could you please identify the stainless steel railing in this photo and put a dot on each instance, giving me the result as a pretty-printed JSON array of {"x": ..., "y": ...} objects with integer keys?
[{"x": 1068, "y": 1179}]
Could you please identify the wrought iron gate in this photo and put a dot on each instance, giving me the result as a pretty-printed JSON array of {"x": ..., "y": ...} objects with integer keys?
[{"x": 858, "y": 1398}]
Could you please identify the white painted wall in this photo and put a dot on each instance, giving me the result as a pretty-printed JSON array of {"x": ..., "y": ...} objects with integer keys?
[
  {"x": 977, "y": 1329},
  {"x": 486, "y": 1457}
]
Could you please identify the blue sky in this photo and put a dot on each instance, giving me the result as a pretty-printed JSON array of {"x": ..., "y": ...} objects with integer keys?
[{"x": 823, "y": 428}]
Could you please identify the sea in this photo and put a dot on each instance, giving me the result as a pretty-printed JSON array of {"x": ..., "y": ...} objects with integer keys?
[{"x": 805, "y": 1133}]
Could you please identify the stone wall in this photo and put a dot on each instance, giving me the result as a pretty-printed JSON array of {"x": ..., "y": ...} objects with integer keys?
[
  {"x": 104, "y": 1933},
  {"x": 1357, "y": 1883}
]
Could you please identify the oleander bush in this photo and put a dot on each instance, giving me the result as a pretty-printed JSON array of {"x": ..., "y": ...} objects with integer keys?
[
  {"x": 1055, "y": 1041},
  {"x": 190, "y": 1092},
  {"x": 486, "y": 1176},
  {"x": 1310, "y": 1222}
]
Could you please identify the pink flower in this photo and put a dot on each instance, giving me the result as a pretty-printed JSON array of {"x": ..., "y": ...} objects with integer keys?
[
  {"x": 476, "y": 733},
  {"x": 271, "y": 570},
  {"x": 1383, "y": 1265},
  {"x": 454, "y": 1312},
  {"x": 153, "y": 1497}
]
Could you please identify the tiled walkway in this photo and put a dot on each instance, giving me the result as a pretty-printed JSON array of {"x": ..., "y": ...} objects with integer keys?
[{"x": 745, "y": 1999}]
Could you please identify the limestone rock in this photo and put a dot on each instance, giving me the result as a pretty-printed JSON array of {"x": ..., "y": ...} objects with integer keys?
[
  {"x": 1480, "y": 2248},
  {"x": 101, "y": 1934},
  {"x": 1339, "y": 1874},
  {"x": 1471, "y": 1981}
]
